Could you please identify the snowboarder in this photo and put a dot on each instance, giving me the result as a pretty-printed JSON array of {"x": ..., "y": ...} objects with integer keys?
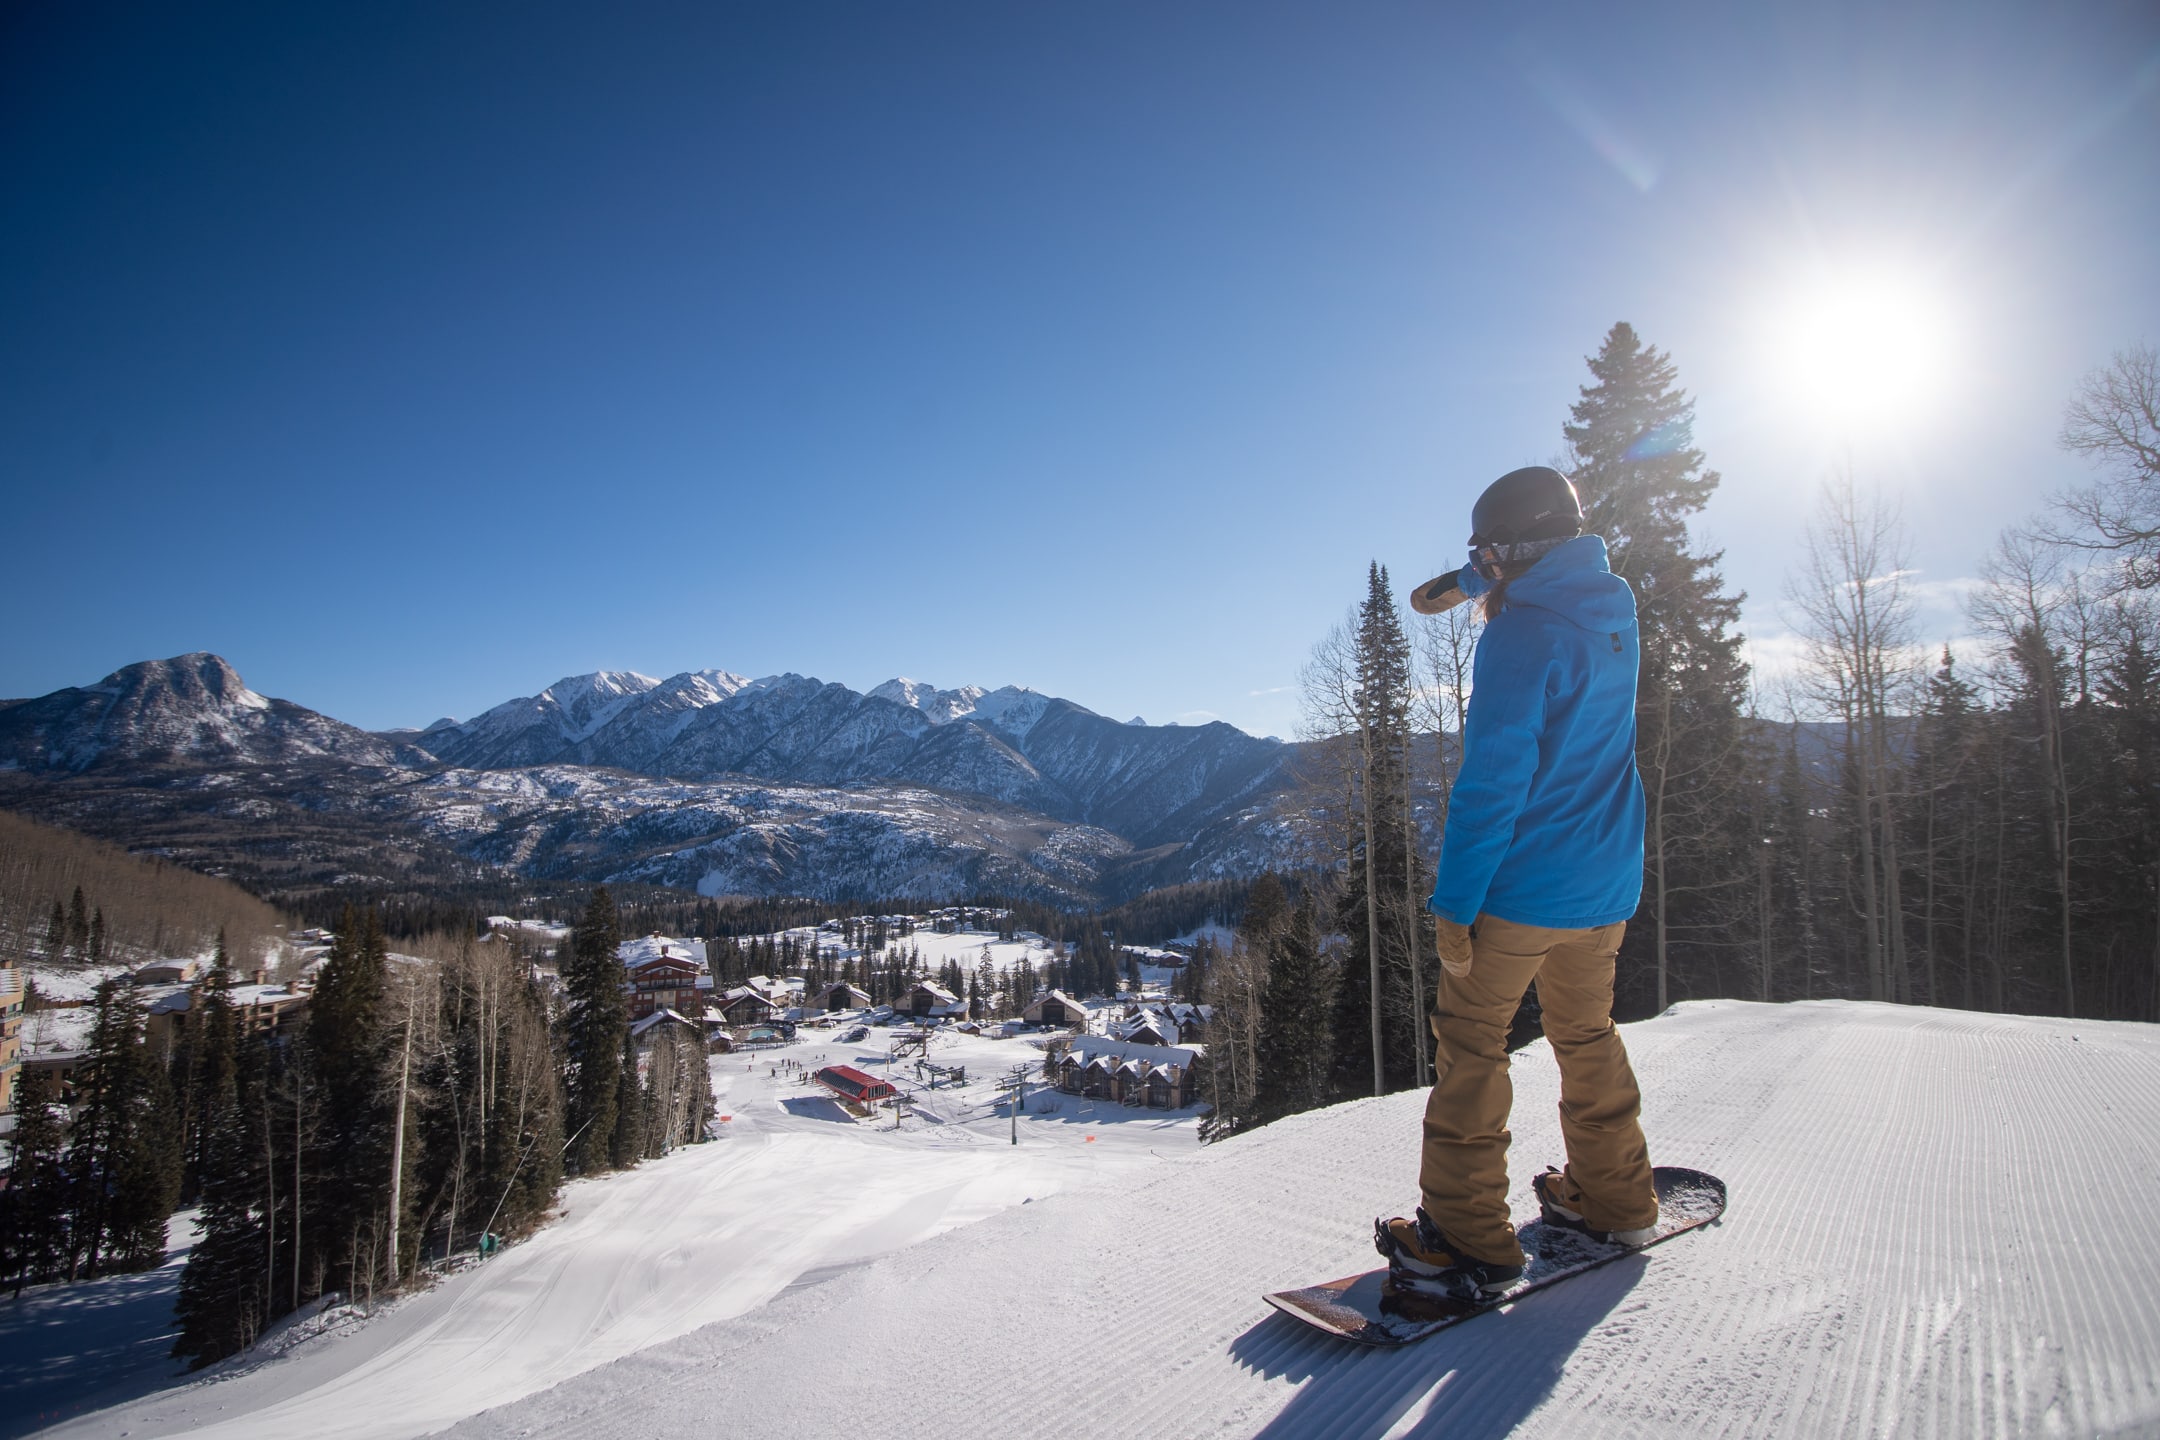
[{"x": 1540, "y": 868}]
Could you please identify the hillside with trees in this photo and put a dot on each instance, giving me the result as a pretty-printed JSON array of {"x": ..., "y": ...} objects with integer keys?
[{"x": 69, "y": 897}]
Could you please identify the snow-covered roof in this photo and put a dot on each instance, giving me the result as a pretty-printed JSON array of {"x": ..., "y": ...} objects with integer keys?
[
  {"x": 179, "y": 999},
  {"x": 749, "y": 992},
  {"x": 658, "y": 1017},
  {"x": 1062, "y": 998},
  {"x": 1148, "y": 1018},
  {"x": 936, "y": 992},
  {"x": 1093, "y": 1045},
  {"x": 645, "y": 948}
]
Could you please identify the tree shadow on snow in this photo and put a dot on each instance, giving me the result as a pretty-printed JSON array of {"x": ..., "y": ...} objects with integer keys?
[
  {"x": 1480, "y": 1378},
  {"x": 67, "y": 1349}
]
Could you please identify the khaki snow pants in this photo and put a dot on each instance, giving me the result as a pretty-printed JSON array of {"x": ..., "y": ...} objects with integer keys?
[{"x": 1463, "y": 1173}]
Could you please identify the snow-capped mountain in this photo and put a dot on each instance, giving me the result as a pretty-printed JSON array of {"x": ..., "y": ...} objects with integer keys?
[
  {"x": 190, "y": 710},
  {"x": 1150, "y": 784},
  {"x": 706, "y": 780},
  {"x": 607, "y": 718}
]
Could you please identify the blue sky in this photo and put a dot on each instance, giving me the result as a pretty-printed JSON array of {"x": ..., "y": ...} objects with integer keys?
[{"x": 413, "y": 356}]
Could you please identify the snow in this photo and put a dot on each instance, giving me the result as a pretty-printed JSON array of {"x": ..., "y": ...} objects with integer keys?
[
  {"x": 794, "y": 1193},
  {"x": 634, "y": 953},
  {"x": 1937, "y": 1227},
  {"x": 66, "y": 1349},
  {"x": 535, "y": 929},
  {"x": 1012, "y": 709},
  {"x": 46, "y": 1033},
  {"x": 71, "y": 982}
]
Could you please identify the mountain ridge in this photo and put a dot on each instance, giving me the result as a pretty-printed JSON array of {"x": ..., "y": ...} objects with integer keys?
[{"x": 706, "y": 780}]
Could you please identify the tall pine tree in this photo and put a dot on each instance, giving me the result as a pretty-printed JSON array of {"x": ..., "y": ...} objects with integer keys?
[
  {"x": 1296, "y": 1019},
  {"x": 345, "y": 1066},
  {"x": 123, "y": 1159},
  {"x": 34, "y": 1206},
  {"x": 1380, "y": 1008},
  {"x": 227, "y": 1291},
  {"x": 594, "y": 1030},
  {"x": 1634, "y": 462}
]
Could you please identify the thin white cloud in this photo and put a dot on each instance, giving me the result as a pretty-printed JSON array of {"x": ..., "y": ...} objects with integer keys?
[{"x": 1950, "y": 594}]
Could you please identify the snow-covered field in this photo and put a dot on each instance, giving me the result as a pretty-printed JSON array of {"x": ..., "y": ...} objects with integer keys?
[
  {"x": 1939, "y": 1226},
  {"x": 795, "y": 1192}
]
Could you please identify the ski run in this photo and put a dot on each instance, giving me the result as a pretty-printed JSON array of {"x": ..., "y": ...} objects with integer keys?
[{"x": 1938, "y": 1227}]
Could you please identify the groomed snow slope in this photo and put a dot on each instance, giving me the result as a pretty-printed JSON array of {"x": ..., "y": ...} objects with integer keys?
[
  {"x": 1940, "y": 1226},
  {"x": 793, "y": 1192}
]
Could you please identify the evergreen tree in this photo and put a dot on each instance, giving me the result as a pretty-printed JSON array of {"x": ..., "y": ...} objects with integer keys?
[
  {"x": 204, "y": 1069},
  {"x": 226, "y": 1289},
  {"x": 34, "y": 1206},
  {"x": 1631, "y": 443},
  {"x": 1192, "y": 983},
  {"x": 345, "y": 1066},
  {"x": 594, "y": 1028},
  {"x": 634, "y": 1107},
  {"x": 1296, "y": 1010},
  {"x": 1945, "y": 812},
  {"x": 2129, "y": 867},
  {"x": 123, "y": 1163},
  {"x": 56, "y": 931},
  {"x": 1383, "y": 997},
  {"x": 97, "y": 936},
  {"x": 78, "y": 925}
]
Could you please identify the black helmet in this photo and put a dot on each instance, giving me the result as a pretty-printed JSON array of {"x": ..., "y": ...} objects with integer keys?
[{"x": 1533, "y": 503}]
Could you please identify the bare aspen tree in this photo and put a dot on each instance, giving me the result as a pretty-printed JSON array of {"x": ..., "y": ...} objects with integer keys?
[
  {"x": 1856, "y": 621},
  {"x": 2114, "y": 421},
  {"x": 1445, "y": 646},
  {"x": 1235, "y": 984},
  {"x": 1328, "y": 689},
  {"x": 397, "y": 1130},
  {"x": 2027, "y": 596}
]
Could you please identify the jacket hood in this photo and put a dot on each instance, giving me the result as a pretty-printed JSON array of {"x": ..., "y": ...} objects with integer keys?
[{"x": 1575, "y": 581}]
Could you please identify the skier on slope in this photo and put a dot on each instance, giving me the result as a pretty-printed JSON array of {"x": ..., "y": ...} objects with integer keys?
[{"x": 1540, "y": 868}]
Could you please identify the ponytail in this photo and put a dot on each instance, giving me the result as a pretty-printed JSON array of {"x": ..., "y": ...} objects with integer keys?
[{"x": 1494, "y": 600}]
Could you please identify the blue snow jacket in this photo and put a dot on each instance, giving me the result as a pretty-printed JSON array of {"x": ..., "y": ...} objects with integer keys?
[{"x": 1545, "y": 826}]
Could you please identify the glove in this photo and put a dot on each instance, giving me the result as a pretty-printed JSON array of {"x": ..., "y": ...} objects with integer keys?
[{"x": 1453, "y": 942}]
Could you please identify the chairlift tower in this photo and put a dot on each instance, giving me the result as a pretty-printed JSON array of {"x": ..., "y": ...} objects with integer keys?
[{"x": 1017, "y": 1079}]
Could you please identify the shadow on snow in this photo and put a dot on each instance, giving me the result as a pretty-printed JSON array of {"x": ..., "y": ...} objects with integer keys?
[{"x": 1481, "y": 1378}]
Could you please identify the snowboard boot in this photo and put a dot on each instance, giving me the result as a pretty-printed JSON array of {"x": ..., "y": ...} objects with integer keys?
[
  {"x": 1559, "y": 1216},
  {"x": 1419, "y": 1257}
]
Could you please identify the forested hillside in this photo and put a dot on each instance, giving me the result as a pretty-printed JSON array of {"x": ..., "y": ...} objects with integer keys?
[{"x": 65, "y": 894}]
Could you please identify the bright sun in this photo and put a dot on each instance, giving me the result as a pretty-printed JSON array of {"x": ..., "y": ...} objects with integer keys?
[{"x": 1863, "y": 347}]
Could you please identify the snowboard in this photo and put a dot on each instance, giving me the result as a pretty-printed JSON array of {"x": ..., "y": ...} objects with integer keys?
[{"x": 1370, "y": 1309}]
